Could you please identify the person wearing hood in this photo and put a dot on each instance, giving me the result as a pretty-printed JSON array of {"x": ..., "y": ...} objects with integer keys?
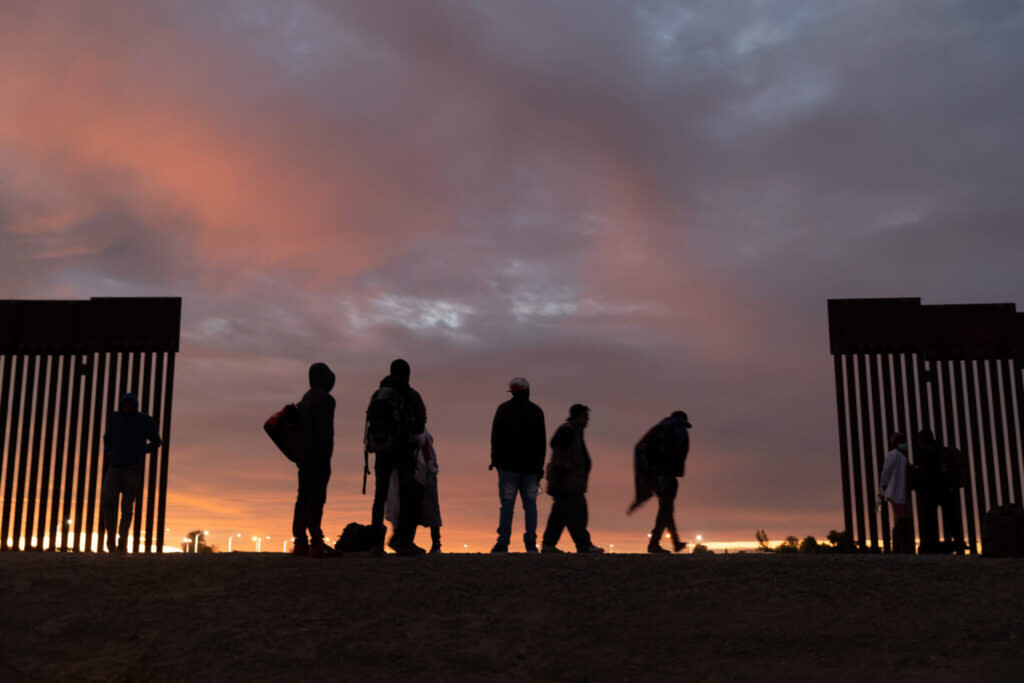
[
  {"x": 129, "y": 436},
  {"x": 395, "y": 418},
  {"x": 659, "y": 458},
  {"x": 316, "y": 446},
  {"x": 518, "y": 444}
]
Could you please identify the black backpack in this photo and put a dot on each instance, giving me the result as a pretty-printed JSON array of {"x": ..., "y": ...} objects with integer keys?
[
  {"x": 385, "y": 417},
  {"x": 359, "y": 538}
]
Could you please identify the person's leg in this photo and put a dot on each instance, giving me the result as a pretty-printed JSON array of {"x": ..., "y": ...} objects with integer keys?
[
  {"x": 668, "y": 501},
  {"x": 382, "y": 483},
  {"x": 299, "y": 515},
  {"x": 928, "y": 523},
  {"x": 902, "y": 528},
  {"x": 435, "y": 539},
  {"x": 951, "y": 522},
  {"x": 508, "y": 485},
  {"x": 131, "y": 483},
  {"x": 556, "y": 522},
  {"x": 528, "y": 495},
  {"x": 108, "y": 506},
  {"x": 576, "y": 519},
  {"x": 317, "y": 498},
  {"x": 411, "y": 494}
]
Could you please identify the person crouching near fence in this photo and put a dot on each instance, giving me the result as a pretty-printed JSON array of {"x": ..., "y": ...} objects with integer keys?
[
  {"x": 130, "y": 435},
  {"x": 430, "y": 508},
  {"x": 894, "y": 486}
]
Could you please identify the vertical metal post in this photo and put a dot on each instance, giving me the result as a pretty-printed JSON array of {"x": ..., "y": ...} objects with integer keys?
[
  {"x": 957, "y": 384},
  {"x": 997, "y": 423},
  {"x": 977, "y": 455},
  {"x": 890, "y": 428},
  {"x": 23, "y": 458},
  {"x": 79, "y": 369},
  {"x": 137, "y": 507},
  {"x": 58, "y": 463},
  {"x": 1012, "y": 429},
  {"x": 855, "y": 455},
  {"x": 42, "y": 483},
  {"x": 97, "y": 368},
  {"x": 844, "y": 454},
  {"x": 8, "y": 453},
  {"x": 150, "y": 483},
  {"x": 166, "y": 449},
  {"x": 986, "y": 433},
  {"x": 872, "y": 449}
]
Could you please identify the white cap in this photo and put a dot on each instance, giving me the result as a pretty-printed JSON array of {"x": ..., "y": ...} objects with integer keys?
[{"x": 518, "y": 384}]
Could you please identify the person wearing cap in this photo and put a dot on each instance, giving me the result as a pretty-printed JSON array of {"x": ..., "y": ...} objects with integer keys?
[
  {"x": 518, "y": 443},
  {"x": 659, "y": 458},
  {"x": 129, "y": 436},
  {"x": 568, "y": 474}
]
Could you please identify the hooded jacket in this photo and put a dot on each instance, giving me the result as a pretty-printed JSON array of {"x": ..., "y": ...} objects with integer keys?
[
  {"x": 316, "y": 418},
  {"x": 664, "y": 448},
  {"x": 518, "y": 435},
  {"x": 569, "y": 469},
  {"x": 128, "y": 438},
  {"x": 413, "y": 410}
]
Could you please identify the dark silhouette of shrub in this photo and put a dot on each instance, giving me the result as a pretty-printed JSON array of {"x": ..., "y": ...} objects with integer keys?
[
  {"x": 809, "y": 545},
  {"x": 762, "y": 541}
]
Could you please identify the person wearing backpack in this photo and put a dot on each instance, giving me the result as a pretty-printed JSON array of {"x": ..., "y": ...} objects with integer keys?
[
  {"x": 935, "y": 492},
  {"x": 395, "y": 418},
  {"x": 568, "y": 474},
  {"x": 659, "y": 458},
  {"x": 518, "y": 444},
  {"x": 315, "y": 445}
]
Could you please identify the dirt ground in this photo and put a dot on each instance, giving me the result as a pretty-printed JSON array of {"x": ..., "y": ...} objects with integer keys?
[{"x": 250, "y": 617}]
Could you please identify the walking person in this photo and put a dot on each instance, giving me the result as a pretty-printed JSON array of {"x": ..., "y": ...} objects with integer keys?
[
  {"x": 316, "y": 446},
  {"x": 129, "y": 436},
  {"x": 430, "y": 508},
  {"x": 568, "y": 474},
  {"x": 894, "y": 486},
  {"x": 659, "y": 459},
  {"x": 518, "y": 444},
  {"x": 395, "y": 417}
]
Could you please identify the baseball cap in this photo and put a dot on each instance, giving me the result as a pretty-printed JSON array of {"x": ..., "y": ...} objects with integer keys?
[{"x": 518, "y": 384}]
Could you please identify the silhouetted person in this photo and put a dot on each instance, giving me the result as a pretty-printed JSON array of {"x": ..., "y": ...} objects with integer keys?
[
  {"x": 659, "y": 458},
  {"x": 894, "y": 486},
  {"x": 518, "y": 443},
  {"x": 395, "y": 417},
  {"x": 934, "y": 491},
  {"x": 430, "y": 508},
  {"x": 129, "y": 436},
  {"x": 568, "y": 473},
  {"x": 316, "y": 446}
]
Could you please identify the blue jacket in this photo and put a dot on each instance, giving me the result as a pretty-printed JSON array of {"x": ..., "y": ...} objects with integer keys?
[{"x": 128, "y": 438}]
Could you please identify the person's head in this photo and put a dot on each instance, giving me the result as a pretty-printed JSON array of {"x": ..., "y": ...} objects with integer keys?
[
  {"x": 129, "y": 404},
  {"x": 680, "y": 417},
  {"x": 400, "y": 371},
  {"x": 925, "y": 437},
  {"x": 519, "y": 388},
  {"x": 898, "y": 441},
  {"x": 321, "y": 377},
  {"x": 579, "y": 415}
]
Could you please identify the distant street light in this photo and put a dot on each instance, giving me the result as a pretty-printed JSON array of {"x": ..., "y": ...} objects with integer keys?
[
  {"x": 284, "y": 547},
  {"x": 259, "y": 542},
  {"x": 231, "y": 538},
  {"x": 186, "y": 541}
]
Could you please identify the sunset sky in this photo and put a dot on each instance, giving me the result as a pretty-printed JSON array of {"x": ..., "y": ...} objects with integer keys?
[{"x": 641, "y": 206}]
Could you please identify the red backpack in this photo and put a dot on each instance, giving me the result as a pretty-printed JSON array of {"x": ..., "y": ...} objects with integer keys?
[{"x": 282, "y": 427}]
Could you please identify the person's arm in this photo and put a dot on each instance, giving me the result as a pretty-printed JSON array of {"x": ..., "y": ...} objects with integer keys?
[
  {"x": 888, "y": 467},
  {"x": 323, "y": 427},
  {"x": 106, "y": 435},
  {"x": 153, "y": 436},
  {"x": 419, "y": 421},
  {"x": 542, "y": 438},
  {"x": 497, "y": 433}
]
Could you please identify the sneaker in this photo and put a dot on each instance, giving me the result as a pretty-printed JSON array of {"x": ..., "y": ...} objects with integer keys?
[
  {"x": 552, "y": 549},
  {"x": 656, "y": 549},
  {"x": 435, "y": 549},
  {"x": 393, "y": 543},
  {"x": 592, "y": 549},
  {"x": 411, "y": 549},
  {"x": 300, "y": 549},
  {"x": 532, "y": 548},
  {"x": 499, "y": 547},
  {"x": 679, "y": 545}
]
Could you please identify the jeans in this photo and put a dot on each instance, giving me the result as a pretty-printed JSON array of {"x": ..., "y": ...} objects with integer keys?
[
  {"x": 509, "y": 484},
  {"x": 127, "y": 484},
  {"x": 571, "y": 512},
  {"x": 309, "y": 504},
  {"x": 410, "y": 494}
]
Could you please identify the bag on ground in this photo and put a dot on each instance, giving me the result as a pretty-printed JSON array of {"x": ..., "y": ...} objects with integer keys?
[{"x": 359, "y": 538}]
